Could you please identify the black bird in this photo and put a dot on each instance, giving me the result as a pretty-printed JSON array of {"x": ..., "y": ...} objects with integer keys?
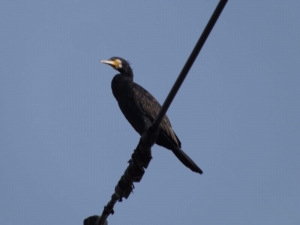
[{"x": 140, "y": 109}]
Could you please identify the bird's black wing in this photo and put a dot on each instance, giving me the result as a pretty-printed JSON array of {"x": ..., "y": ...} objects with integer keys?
[{"x": 150, "y": 108}]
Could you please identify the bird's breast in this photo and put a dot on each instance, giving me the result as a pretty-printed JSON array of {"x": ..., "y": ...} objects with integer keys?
[
  {"x": 122, "y": 88},
  {"x": 124, "y": 93}
]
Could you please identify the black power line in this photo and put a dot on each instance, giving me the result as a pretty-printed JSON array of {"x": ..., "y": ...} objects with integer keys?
[
  {"x": 141, "y": 157},
  {"x": 189, "y": 62}
]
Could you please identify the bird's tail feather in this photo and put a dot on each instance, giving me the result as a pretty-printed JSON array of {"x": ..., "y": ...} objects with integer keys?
[{"x": 186, "y": 160}]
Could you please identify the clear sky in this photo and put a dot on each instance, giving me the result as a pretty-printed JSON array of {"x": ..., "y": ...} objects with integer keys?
[{"x": 64, "y": 142}]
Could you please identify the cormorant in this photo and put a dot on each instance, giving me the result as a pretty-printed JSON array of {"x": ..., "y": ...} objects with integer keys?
[{"x": 140, "y": 109}]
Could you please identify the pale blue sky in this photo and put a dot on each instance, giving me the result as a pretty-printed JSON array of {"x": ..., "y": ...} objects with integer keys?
[{"x": 65, "y": 143}]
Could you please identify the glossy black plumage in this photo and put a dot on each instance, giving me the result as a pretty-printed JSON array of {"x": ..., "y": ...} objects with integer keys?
[{"x": 140, "y": 109}]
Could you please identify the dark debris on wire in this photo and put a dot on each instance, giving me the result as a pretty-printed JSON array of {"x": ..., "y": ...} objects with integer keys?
[{"x": 139, "y": 161}]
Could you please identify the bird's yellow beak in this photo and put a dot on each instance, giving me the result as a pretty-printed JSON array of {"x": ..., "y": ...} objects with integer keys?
[{"x": 113, "y": 63}]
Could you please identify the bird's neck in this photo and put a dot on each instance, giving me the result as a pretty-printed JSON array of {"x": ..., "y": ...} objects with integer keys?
[
  {"x": 129, "y": 74},
  {"x": 126, "y": 72}
]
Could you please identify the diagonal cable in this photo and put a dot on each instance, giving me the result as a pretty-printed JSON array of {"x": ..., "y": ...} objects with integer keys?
[{"x": 141, "y": 157}]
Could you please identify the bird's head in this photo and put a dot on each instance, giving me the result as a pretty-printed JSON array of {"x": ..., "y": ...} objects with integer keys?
[{"x": 119, "y": 64}]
